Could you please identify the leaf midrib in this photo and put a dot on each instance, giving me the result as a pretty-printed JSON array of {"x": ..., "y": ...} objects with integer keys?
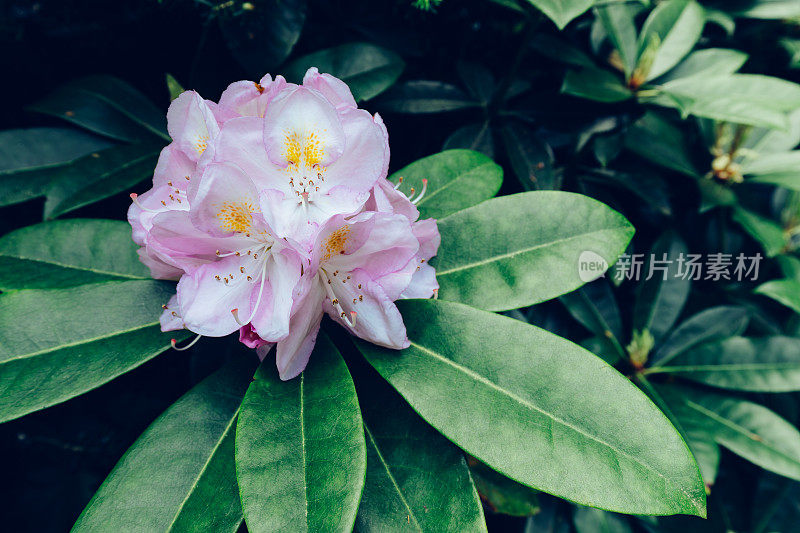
[
  {"x": 564, "y": 423},
  {"x": 77, "y": 343},
  {"x": 203, "y": 469},
  {"x": 731, "y": 367},
  {"x": 391, "y": 477},
  {"x": 72, "y": 267},
  {"x": 303, "y": 447},
  {"x": 453, "y": 181},
  {"x": 138, "y": 120},
  {"x": 501, "y": 257}
]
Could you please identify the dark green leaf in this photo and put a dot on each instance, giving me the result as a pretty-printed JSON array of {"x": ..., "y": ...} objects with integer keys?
[
  {"x": 523, "y": 249},
  {"x": 588, "y": 520},
  {"x": 367, "y": 69},
  {"x": 426, "y": 97},
  {"x": 262, "y": 37},
  {"x": 457, "y": 179},
  {"x": 785, "y": 291},
  {"x": 766, "y": 364},
  {"x": 618, "y": 21},
  {"x": 530, "y": 157},
  {"x": 768, "y": 233},
  {"x": 708, "y": 62},
  {"x": 716, "y": 323},
  {"x": 478, "y": 80},
  {"x": 476, "y": 137},
  {"x": 65, "y": 253},
  {"x": 595, "y": 84},
  {"x": 416, "y": 479},
  {"x": 27, "y": 157},
  {"x": 57, "y": 344},
  {"x": 173, "y": 87},
  {"x": 502, "y": 494},
  {"x": 745, "y": 428},
  {"x": 98, "y": 176},
  {"x": 594, "y": 306},
  {"x": 540, "y": 410},
  {"x": 300, "y": 452},
  {"x": 648, "y": 187},
  {"x": 660, "y": 298},
  {"x": 179, "y": 475},
  {"x": 108, "y": 106},
  {"x": 658, "y": 140},
  {"x": 562, "y": 11}
]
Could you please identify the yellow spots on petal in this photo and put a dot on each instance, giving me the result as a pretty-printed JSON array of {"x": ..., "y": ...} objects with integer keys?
[
  {"x": 335, "y": 243},
  {"x": 201, "y": 144},
  {"x": 236, "y": 216},
  {"x": 306, "y": 150}
]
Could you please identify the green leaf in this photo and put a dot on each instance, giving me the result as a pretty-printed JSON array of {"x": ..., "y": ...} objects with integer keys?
[
  {"x": 181, "y": 469},
  {"x": 764, "y": 140},
  {"x": 713, "y": 324},
  {"x": 478, "y": 80},
  {"x": 300, "y": 451},
  {"x": 562, "y": 11},
  {"x": 675, "y": 26},
  {"x": 594, "y": 306},
  {"x": 650, "y": 188},
  {"x": 557, "y": 48},
  {"x": 618, "y": 21},
  {"x": 521, "y": 249},
  {"x": 57, "y": 344},
  {"x": 708, "y": 62},
  {"x": 781, "y": 169},
  {"x": 792, "y": 47},
  {"x": 27, "y": 157},
  {"x": 766, "y": 364},
  {"x": 768, "y": 233},
  {"x": 656, "y": 139},
  {"x": 740, "y": 98},
  {"x": 785, "y": 291},
  {"x": 745, "y": 428},
  {"x": 588, "y": 520},
  {"x": 98, "y": 176},
  {"x": 66, "y": 253},
  {"x": 770, "y": 9},
  {"x": 540, "y": 410},
  {"x": 457, "y": 179},
  {"x": 416, "y": 479},
  {"x": 713, "y": 194},
  {"x": 262, "y": 37},
  {"x": 367, "y": 69},
  {"x": 108, "y": 106},
  {"x": 476, "y": 137},
  {"x": 426, "y": 97},
  {"x": 530, "y": 157},
  {"x": 173, "y": 87},
  {"x": 660, "y": 299},
  {"x": 595, "y": 84},
  {"x": 502, "y": 494}
]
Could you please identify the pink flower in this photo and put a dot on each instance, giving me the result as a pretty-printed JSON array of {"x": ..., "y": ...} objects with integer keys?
[{"x": 271, "y": 208}]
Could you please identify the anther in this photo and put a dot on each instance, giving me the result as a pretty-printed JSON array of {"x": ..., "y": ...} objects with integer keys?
[
  {"x": 135, "y": 198},
  {"x": 399, "y": 183},
  {"x": 435, "y": 294},
  {"x": 422, "y": 193},
  {"x": 241, "y": 269}
]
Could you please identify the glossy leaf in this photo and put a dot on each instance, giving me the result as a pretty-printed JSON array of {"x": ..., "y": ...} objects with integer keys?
[
  {"x": 706, "y": 62},
  {"x": 588, "y": 520},
  {"x": 766, "y": 364},
  {"x": 66, "y": 253},
  {"x": 426, "y": 97},
  {"x": 27, "y": 157},
  {"x": 457, "y": 179},
  {"x": 540, "y": 410},
  {"x": 595, "y": 84},
  {"x": 768, "y": 233},
  {"x": 660, "y": 298},
  {"x": 781, "y": 168},
  {"x": 647, "y": 187},
  {"x": 476, "y": 137},
  {"x": 618, "y": 21},
  {"x": 785, "y": 291},
  {"x": 594, "y": 306},
  {"x": 261, "y": 38},
  {"x": 98, "y": 176},
  {"x": 562, "y": 11},
  {"x": 108, "y": 106},
  {"x": 673, "y": 27},
  {"x": 709, "y": 325},
  {"x": 367, "y": 69},
  {"x": 416, "y": 479},
  {"x": 523, "y": 249},
  {"x": 478, "y": 80},
  {"x": 745, "y": 428},
  {"x": 771, "y": 9},
  {"x": 181, "y": 469},
  {"x": 530, "y": 157},
  {"x": 658, "y": 140},
  {"x": 57, "y": 344},
  {"x": 300, "y": 452},
  {"x": 769, "y": 140}
]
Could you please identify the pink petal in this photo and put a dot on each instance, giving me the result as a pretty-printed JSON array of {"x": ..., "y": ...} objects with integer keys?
[
  {"x": 171, "y": 319},
  {"x": 271, "y": 320},
  {"x": 191, "y": 124},
  {"x": 335, "y": 90},
  {"x": 363, "y": 159},
  {"x": 294, "y": 351},
  {"x": 224, "y": 201},
  {"x": 423, "y": 283}
]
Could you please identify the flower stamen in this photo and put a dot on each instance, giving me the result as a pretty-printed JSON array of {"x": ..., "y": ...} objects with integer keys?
[{"x": 174, "y": 343}]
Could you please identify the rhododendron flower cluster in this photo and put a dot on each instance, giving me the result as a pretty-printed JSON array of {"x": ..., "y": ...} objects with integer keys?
[{"x": 272, "y": 207}]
